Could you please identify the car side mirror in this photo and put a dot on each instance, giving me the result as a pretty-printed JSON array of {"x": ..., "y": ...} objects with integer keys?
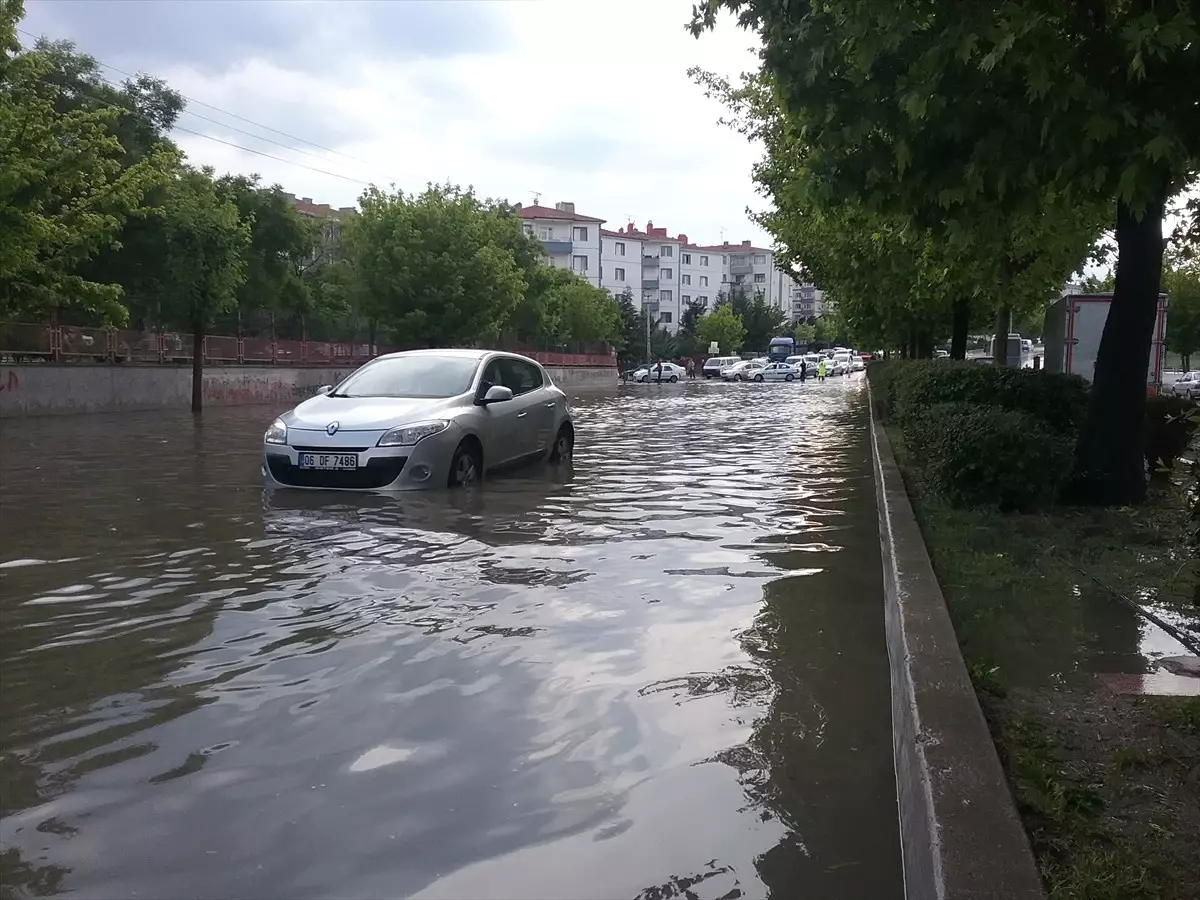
[
  {"x": 323, "y": 389},
  {"x": 497, "y": 394}
]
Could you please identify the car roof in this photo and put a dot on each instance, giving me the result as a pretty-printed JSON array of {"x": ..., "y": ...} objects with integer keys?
[{"x": 457, "y": 353}]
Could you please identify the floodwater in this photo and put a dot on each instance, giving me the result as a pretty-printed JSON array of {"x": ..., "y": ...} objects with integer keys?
[{"x": 657, "y": 672}]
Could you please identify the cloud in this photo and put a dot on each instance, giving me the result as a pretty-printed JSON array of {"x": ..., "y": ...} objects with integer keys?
[
  {"x": 213, "y": 36},
  {"x": 580, "y": 100}
]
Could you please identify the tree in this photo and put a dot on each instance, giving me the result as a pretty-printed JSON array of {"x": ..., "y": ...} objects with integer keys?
[
  {"x": 762, "y": 322},
  {"x": 985, "y": 108},
  {"x": 439, "y": 267},
  {"x": 284, "y": 248},
  {"x": 201, "y": 259},
  {"x": 804, "y": 333},
  {"x": 723, "y": 327},
  {"x": 1181, "y": 281},
  {"x": 65, "y": 193},
  {"x": 583, "y": 312},
  {"x": 686, "y": 342}
]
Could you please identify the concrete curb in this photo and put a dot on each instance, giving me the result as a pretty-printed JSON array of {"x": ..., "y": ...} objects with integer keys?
[{"x": 961, "y": 837}]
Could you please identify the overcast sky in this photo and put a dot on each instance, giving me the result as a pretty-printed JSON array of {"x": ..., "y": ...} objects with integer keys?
[{"x": 580, "y": 100}]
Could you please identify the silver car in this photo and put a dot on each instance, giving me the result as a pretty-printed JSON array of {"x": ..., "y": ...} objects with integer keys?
[{"x": 420, "y": 419}]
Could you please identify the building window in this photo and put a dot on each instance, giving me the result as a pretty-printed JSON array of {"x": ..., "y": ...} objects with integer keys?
[
  {"x": 665, "y": 318},
  {"x": 619, "y": 274},
  {"x": 685, "y": 279},
  {"x": 667, "y": 250},
  {"x": 580, "y": 233},
  {"x": 665, "y": 297},
  {"x": 668, "y": 274},
  {"x": 579, "y": 264},
  {"x": 703, "y": 281},
  {"x": 702, "y": 300},
  {"x": 737, "y": 261},
  {"x": 760, "y": 259},
  {"x": 544, "y": 232},
  {"x": 686, "y": 259},
  {"x": 704, "y": 260},
  {"x": 739, "y": 279},
  {"x": 620, "y": 247},
  {"x": 687, "y": 298},
  {"x": 760, "y": 278},
  {"x": 528, "y": 228}
]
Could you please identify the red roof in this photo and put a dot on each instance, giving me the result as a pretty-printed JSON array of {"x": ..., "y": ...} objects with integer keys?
[{"x": 546, "y": 212}]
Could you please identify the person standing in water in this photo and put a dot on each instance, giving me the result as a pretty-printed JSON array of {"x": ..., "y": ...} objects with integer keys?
[{"x": 821, "y": 370}]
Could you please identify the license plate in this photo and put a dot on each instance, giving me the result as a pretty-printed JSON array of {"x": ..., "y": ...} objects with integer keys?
[{"x": 329, "y": 460}]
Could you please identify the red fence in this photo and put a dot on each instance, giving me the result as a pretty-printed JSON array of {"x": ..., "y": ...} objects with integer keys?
[{"x": 72, "y": 344}]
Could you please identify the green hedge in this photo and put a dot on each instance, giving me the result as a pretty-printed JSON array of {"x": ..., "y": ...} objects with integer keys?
[
  {"x": 1058, "y": 401},
  {"x": 1169, "y": 425},
  {"x": 986, "y": 455}
]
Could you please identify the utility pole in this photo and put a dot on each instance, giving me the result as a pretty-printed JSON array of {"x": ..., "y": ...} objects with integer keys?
[{"x": 646, "y": 315}]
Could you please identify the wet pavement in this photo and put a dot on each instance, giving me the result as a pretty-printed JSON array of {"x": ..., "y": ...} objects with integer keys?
[{"x": 657, "y": 672}]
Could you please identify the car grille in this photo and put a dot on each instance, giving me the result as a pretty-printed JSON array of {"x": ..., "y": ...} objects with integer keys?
[
  {"x": 375, "y": 474},
  {"x": 330, "y": 449}
]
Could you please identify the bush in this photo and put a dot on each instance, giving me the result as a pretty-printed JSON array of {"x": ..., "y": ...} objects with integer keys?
[
  {"x": 1058, "y": 401},
  {"x": 977, "y": 455},
  {"x": 882, "y": 375},
  {"x": 1168, "y": 428}
]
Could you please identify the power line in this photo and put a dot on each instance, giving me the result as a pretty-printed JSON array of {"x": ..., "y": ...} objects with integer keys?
[
  {"x": 290, "y": 162},
  {"x": 242, "y": 131}
]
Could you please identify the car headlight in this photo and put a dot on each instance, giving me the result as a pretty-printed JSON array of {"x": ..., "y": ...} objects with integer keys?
[
  {"x": 408, "y": 435},
  {"x": 276, "y": 434}
]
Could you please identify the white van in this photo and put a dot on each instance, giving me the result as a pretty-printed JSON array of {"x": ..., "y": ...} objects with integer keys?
[{"x": 716, "y": 365}]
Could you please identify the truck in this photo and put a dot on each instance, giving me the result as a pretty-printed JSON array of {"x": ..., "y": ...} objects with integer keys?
[
  {"x": 1080, "y": 319},
  {"x": 781, "y": 348}
]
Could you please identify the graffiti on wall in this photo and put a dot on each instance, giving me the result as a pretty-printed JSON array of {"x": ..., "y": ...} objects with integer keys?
[
  {"x": 262, "y": 389},
  {"x": 9, "y": 381}
]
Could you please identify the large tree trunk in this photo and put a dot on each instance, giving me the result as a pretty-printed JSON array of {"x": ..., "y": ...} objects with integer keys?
[
  {"x": 1000, "y": 342},
  {"x": 1109, "y": 466},
  {"x": 197, "y": 367},
  {"x": 912, "y": 342},
  {"x": 960, "y": 328}
]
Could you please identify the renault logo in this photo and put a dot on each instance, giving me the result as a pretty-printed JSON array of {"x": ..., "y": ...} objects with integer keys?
[{"x": 331, "y": 428}]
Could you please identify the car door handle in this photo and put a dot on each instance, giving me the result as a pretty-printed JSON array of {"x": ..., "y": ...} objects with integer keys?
[
  {"x": 549, "y": 406},
  {"x": 522, "y": 415}
]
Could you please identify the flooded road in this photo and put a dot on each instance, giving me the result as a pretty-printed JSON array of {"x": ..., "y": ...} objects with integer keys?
[{"x": 659, "y": 672}]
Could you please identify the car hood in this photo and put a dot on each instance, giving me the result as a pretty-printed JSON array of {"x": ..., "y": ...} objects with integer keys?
[{"x": 364, "y": 413}]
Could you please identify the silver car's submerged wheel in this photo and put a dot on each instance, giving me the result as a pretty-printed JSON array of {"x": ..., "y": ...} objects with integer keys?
[
  {"x": 789, "y": 377},
  {"x": 564, "y": 443},
  {"x": 466, "y": 466},
  {"x": 674, "y": 378},
  {"x": 758, "y": 378}
]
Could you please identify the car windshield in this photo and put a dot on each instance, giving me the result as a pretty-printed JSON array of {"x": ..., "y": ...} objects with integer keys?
[{"x": 411, "y": 376}]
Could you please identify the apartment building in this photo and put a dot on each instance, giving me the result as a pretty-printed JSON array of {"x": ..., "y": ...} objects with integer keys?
[
  {"x": 571, "y": 239},
  {"x": 330, "y": 216}
]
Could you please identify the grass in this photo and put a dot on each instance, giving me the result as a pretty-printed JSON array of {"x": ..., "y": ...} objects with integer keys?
[{"x": 1108, "y": 785}]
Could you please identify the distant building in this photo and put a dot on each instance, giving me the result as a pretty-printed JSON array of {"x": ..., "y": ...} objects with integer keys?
[
  {"x": 571, "y": 240},
  {"x": 331, "y": 234}
]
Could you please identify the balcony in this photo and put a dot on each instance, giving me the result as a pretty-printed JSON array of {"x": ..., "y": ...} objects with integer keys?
[
  {"x": 556, "y": 246},
  {"x": 741, "y": 268},
  {"x": 649, "y": 261},
  {"x": 649, "y": 284}
]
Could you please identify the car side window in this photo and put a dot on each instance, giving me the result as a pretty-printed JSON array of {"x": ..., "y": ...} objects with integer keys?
[
  {"x": 520, "y": 377},
  {"x": 493, "y": 375}
]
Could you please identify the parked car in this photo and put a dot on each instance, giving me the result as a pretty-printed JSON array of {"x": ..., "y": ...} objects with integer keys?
[
  {"x": 420, "y": 419},
  {"x": 742, "y": 371},
  {"x": 670, "y": 373},
  {"x": 714, "y": 366},
  {"x": 778, "y": 371},
  {"x": 1188, "y": 386}
]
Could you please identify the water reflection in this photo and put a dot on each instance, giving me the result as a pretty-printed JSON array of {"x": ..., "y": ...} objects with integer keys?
[{"x": 660, "y": 673}]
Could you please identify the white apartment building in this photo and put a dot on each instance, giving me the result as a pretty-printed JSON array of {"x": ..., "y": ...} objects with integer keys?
[
  {"x": 665, "y": 273},
  {"x": 571, "y": 240},
  {"x": 621, "y": 264}
]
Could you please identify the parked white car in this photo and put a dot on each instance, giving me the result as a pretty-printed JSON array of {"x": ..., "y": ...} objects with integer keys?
[
  {"x": 778, "y": 371},
  {"x": 1187, "y": 386},
  {"x": 742, "y": 371},
  {"x": 670, "y": 373}
]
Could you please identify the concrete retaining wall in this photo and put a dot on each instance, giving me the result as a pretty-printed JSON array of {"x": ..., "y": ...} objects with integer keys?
[
  {"x": 960, "y": 833},
  {"x": 46, "y": 389}
]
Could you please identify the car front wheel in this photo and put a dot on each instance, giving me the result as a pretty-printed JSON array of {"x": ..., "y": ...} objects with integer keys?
[
  {"x": 789, "y": 377},
  {"x": 466, "y": 466},
  {"x": 758, "y": 378}
]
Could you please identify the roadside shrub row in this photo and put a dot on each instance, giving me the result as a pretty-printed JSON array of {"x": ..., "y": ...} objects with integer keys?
[{"x": 999, "y": 437}]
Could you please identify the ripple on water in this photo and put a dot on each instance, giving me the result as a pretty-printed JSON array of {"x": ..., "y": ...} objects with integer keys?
[{"x": 656, "y": 672}]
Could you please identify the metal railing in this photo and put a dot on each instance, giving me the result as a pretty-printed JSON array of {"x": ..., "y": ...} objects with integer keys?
[{"x": 28, "y": 343}]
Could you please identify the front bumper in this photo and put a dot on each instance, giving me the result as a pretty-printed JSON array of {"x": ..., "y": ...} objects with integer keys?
[{"x": 422, "y": 466}]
